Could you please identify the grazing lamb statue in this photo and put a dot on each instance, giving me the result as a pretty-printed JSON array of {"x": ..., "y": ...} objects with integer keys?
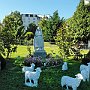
[
  {"x": 85, "y": 71},
  {"x": 32, "y": 76},
  {"x": 25, "y": 68},
  {"x": 85, "y": 74},
  {"x": 72, "y": 82},
  {"x": 64, "y": 66}
]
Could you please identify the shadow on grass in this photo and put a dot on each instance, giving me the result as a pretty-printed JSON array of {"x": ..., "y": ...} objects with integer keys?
[{"x": 12, "y": 77}]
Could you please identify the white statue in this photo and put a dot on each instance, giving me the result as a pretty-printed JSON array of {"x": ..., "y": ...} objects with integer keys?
[
  {"x": 32, "y": 76},
  {"x": 26, "y": 68},
  {"x": 38, "y": 40},
  {"x": 64, "y": 66},
  {"x": 71, "y": 82}
]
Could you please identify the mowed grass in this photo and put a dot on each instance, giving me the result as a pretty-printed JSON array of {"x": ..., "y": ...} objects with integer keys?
[
  {"x": 23, "y": 52},
  {"x": 12, "y": 78}
]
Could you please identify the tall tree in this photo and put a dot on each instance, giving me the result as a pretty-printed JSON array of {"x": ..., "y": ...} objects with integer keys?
[
  {"x": 50, "y": 26},
  {"x": 12, "y": 30},
  {"x": 31, "y": 30},
  {"x": 64, "y": 40},
  {"x": 2, "y": 51},
  {"x": 80, "y": 22}
]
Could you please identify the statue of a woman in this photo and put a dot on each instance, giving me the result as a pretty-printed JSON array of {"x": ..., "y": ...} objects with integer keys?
[{"x": 38, "y": 40}]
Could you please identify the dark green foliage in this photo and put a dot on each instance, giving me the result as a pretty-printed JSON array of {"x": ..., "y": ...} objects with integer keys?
[
  {"x": 19, "y": 61},
  {"x": 32, "y": 28},
  {"x": 29, "y": 35},
  {"x": 86, "y": 58},
  {"x": 3, "y": 62},
  {"x": 85, "y": 61},
  {"x": 50, "y": 26},
  {"x": 64, "y": 40},
  {"x": 36, "y": 60},
  {"x": 80, "y": 22},
  {"x": 74, "y": 29},
  {"x": 12, "y": 31},
  {"x": 2, "y": 51},
  {"x": 29, "y": 50},
  {"x": 12, "y": 78}
]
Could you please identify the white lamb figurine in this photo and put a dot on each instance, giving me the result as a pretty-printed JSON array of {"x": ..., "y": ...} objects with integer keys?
[
  {"x": 85, "y": 74},
  {"x": 89, "y": 67},
  {"x": 32, "y": 76},
  {"x": 25, "y": 68},
  {"x": 85, "y": 71},
  {"x": 72, "y": 82},
  {"x": 82, "y": 66},
  {"x": 64, "y": 66}
]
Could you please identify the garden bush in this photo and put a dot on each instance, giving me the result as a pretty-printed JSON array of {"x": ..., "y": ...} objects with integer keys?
[
  {"x": 53, "y": 62},
  {"x": 19, "y": 61},
  {"x": 36, "y": 60},
  {"x": 39, "y": 61}
]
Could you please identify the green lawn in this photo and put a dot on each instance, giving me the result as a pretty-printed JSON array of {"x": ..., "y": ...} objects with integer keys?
[
  {"x": 22, "y": 50},
  {"x": 49, "y": 48},
  {"x": 12, "y": 78}
]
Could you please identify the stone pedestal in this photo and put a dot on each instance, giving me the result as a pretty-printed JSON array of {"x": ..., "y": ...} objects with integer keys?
[{"x": 40, "y": 53}]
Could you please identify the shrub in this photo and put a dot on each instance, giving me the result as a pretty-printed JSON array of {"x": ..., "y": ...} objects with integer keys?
[
  {"x": 53, "y": 62},
  {"x": 19, "y": 61},
  {"x": 36, "y": 60},
  {"x": 29, "y": 50}
]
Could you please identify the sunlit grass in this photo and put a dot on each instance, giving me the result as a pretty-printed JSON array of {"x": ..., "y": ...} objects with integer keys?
[
  {"x": 49, "y": 48},
  {"x": 23, "y": 52}
]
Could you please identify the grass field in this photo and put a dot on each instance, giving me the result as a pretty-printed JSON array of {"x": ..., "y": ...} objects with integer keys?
[
  {"x": 22, "y": 50},
  {"x": 12, "y": 77},
  {"x": 49, "y": 48}
]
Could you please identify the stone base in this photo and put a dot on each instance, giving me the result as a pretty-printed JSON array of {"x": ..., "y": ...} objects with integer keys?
[
  {"x": 30, "y": 85},
  {"x": 40, "y": 53}
]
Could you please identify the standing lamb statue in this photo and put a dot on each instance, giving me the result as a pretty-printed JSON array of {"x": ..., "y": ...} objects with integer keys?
[
  {"x": 64, "y": 66},
  {"x": 85, "y": 71},
  {"x": 72, "y": 82},
  {"x": 32, "y": 76},
  {"x": 25, "y": 68},
  {"x": 85, "y": 74},
  {"x": 82, "y": 66}
]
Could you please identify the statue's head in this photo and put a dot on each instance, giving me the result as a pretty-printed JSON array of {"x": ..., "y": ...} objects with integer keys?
[
  {"x": 38, "y": 32},
  {"x": 38, "y": 28}
]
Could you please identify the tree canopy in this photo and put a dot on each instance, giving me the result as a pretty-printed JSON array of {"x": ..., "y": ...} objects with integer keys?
[
  {"x": 12, "y": 31},
  {"x": 50, "y": 26},
  {"x": 80, "y": 22}
]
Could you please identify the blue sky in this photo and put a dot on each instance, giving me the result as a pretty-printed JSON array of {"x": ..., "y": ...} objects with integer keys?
[{"x": 65, "y": 8}]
